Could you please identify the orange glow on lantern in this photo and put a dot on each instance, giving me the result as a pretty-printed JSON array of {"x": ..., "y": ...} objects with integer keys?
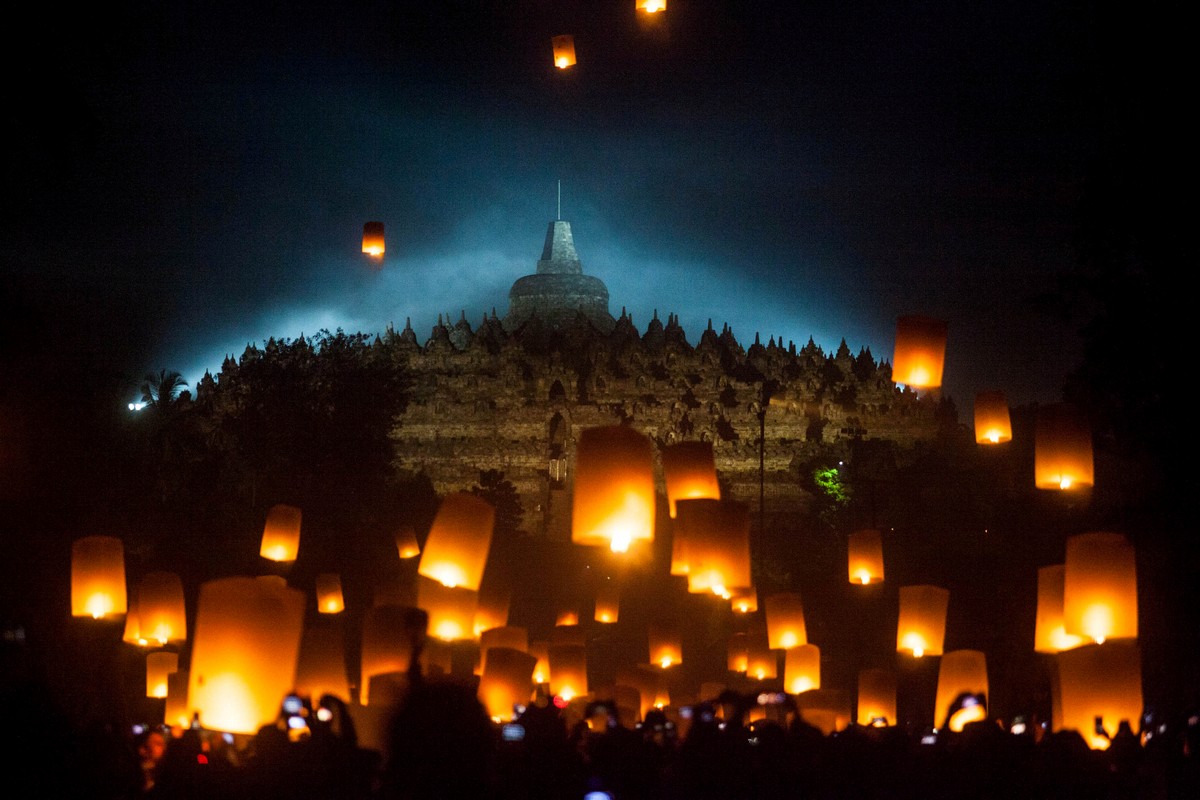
[
  {"x": 388, "y": 635},
  {"x": 992, "y": 422},
  {"x": 614, "y": 495},
  {"x": 961, "y": 671},
  {"x": 541, "y": 671},
  {"x": 737, "y": 653},
  {"x": 568, "y": 671},
  {"x": 785, "y": 621},
  {"x": 718, "y": 535},
  {"x": 1062, "y": 450},
  {"x": 372, "y": 240},
  {"x": 608, "y": 604},
  {"x": 133, "y": 628},
  {"x": 802, "y": 669},
  {"x": 689, "y": 472},
  {"x": 329, "y": 594},
  {"x": 761, "y": 661},
  {"x": 494, "y": 602},
  {"x": 567, "y": 617},
  {"x": 159, "y": 666},
  {"x": 1100, "y": 681},
  {"x": 506, "y": 682},
  {"x": 244, "y": 654},
  {"x": 825, "y": 709},
  {"x": 865, "y": 559},
  {"x": 564, "y": 51},
  {"x": 406, "y": 543},
  {"x": 666, "y": 646},
  {"x": 451, "y": 609},
  {"x": 920, "y": 352},
  {"x": 650, "y": 6},
  {"x": 1050, "y": 633},
  {"x": 98, "y": 577},
  {"x": 921, "y": 629},
  {"x": 1100, "y": 587},
  {"x": 876, "y": 697},
  {"x": 321, "y": 669},
  {"x": 458, "y": 543},
  {"x": 744, "y": 600},
  {"x": 281, "y": 534},
  {"x": 161, "y": 613}
]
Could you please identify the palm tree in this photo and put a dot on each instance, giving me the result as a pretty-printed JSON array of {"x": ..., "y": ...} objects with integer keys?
[{"x": 163, "y": 389}]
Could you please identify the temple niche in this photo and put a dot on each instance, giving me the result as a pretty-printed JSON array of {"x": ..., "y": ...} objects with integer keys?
[{"x": 513, "y": 394}]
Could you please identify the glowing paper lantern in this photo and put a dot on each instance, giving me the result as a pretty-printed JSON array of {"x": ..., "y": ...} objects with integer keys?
[
  {"x": 329, "y": 594},
  {"x": 512, "y": 637},
  {"x": 961, "y": 671},
  {"x": 1100, "y": 587},
  {"x": 388, "y": 635},
  {"x": 826, "y": 709},
  {"x": 406, "y": 543},
  {"x": 608, "y": 604},
  {"x": 1062, "y": 455},
  {"x": 785, "y": 621},
  {"x": 876, "y": 697},
  {"x": 866, "y": 557},
  {"x": 451, "y": 609},
  {"x": 98, "y": 577},
  {"x": 161, "y": 614},
  {"x": 744, "y": 600},
  {"x": 244, "y": 653},
  {"x": 614, "y": 494},
  {"x": 159, "y": 666},
  {"x": 564, "y": 51},
  {"x": 992, "y": 422},
  {"x": 175, "y": 710},
  {"x": 321, "y": 669},
  {"x": 1050, "y": 634},
  {"x": 920, "y": 352},
  {"x": 281, "y": 534},
  {"x": 541, "y": 671},
  {"x": 718, "y": 535},
  {"x": 689, "y": 472},
  {"x": 567, "y": 618},
  {"x": 568, "y": 671},
  {"x": 458, "y": 543},
  {"x": 1101, "y": 681},
  {"x": 921, "y": 629},
  {"x": 647, "y": 680},
  {"x": 802, "y": 669},
  {"x": 650, "y": 6},
  {"x": 372, "y": 241},
  {"x": 506, "y": 682},
  {"x": 666, "y": 647},
  {"x": 133, "y": 626},
  {"x": 761, "y": 661},
  {"x": 737, "y": 652},
  {"x": 494, "y": 601}
]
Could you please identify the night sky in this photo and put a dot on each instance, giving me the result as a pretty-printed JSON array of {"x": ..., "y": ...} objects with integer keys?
[{"x": 192, "y": 177}]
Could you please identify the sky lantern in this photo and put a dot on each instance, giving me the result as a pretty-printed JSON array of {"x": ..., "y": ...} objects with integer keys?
[
  {"x": 244, "y": 652},
  {"x": 608, "y": 603},
  {"x": 825, "y": 709},
  {"x": 281, "y": 534},
  {"x": 451, "y": 609},
  {"x": 321, "y": 669},
  {"x": 666, "y": 646},
  {"x": 98, "y": 577},
  {"x": 718, "y": 535},
  {"x": 647, "y": 679},
  {"x": 744, "y": 599},
  {"x": 387, "y": 643},
  {"x": 492, "y": 610},
  {"x": 329, "y": 594},
  {"x": 457, "y": 547},
  {"x": 992, "y": 422},
  {"x": 567, "y": 617},
  {"x": 921, "y": 629},
  {"x": 1100, "y": 587},
  {"x": 650, "y": 6},
  {"x": 133, "y": 628},
  {"x": 1101, "y": 681},
  {"x": 372, "y": 241},
  {"x": 506, "y": 682},
  {"x": 920, "y": 352},
  {"x": 614, "y": 496},
  {"x": 161, "y": 613},
  {"x": 866, "y": 557},
  {"x": 568, "y": 671},
  {"x": 876, "y": 697},
  {"x": 1050, "y": 634},
  {"x": 961, "y": 671},
  {"x": 175, "y": 709},
  {"x": 541, "y": 651},
  {"x": 689, "y": 473},
  {"x": 785, "y": 621},
  {"x": 406, "y": 543},
  {"x": 802, "y": 669},
  {"x": 564, "y": 51},
  {"x": 510, "y": 636},
  {"x": 737, "y": 652},
  {"x": 159, "y": 665},
  {"x": 761, "y": 661},
  {"x": 1062, "y": 450}
]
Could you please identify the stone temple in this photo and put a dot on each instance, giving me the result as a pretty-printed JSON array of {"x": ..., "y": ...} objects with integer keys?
[{"x": 513, "y": 395}]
